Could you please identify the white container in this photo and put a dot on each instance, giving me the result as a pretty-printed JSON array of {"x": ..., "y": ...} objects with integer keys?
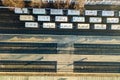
[
  {"x": 56, "y": 12},
  {"x": 21, "y": 11},
  {"x": 112, "y": 20},
  {"x": 66, "y": 25},
  {"x": 61, "y": 18},
  {"x": 73, "y": 12},
  {"x": 31, "y": 25},
  {"x": 25, "y": 10},
  {"x": 78, "y": 19},
  {"x": 83, "y": 26},
  {"x": 107, "y": 13},
  {"x": 43, "y": 18},
  {"x": 95, "y": 19},
  {"x": 100, "y": 26},
  {"x": 115, "y": 27},
  {"x": 39, "y": 11},
  {"x": 18, "y": 11},
  {"x": 119, "y": 13},
  {"x": 26, "y": 18},
  {"x": 91, "y": 12},
  {"x": 49, "y": 25}
]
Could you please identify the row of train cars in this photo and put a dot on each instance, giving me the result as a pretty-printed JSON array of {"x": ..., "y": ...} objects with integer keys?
[
  {"x": 59, "y": 21},
  {"x": 51, "y": 66},
  {"x": 54, "y": 48}
]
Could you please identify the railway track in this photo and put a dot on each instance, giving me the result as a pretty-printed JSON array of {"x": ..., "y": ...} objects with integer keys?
[
  {"x": 54, "y": 48},
  {"x": 22, "y": 48},
  {"x": 51, "y": 66},
  {"x": 96, "y": 49},
  {"x": 28, "y": 66},
  {"x": 96, "y": 67}
]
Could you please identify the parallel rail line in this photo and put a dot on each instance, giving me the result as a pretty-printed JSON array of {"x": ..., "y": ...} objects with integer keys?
[
  {"x": 21, "y": 47},
  {"x": 96, "y": 67},
  {"x": 28, "y": 66}
]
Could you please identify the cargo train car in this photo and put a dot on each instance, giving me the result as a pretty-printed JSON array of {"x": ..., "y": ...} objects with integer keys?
[
  {"x": 28, "y": 48},
  {"x": 96, "y": 49},
  {"x": 28, "y": 66},
  {"x": 96, "y": 67}
]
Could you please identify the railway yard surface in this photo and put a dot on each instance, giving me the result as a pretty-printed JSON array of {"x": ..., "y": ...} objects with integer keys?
[{"x": 58, "y": 44}]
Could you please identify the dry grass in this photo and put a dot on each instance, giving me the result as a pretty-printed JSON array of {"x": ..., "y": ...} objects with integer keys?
[
  {"x": 13, "y": 3},
  {"x": 80, "y": 5},
  {"x": 62, "y": 5},
  {"x": 66, "y": 4},
  {"x": 36, "y": 3}
]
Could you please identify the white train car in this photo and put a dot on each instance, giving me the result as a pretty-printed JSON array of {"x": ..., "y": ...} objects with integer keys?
[
  {"x": 43, "y": 18},
  {"x": 25, "y": 10},
  {"x": 21, "y": 11},
  {"x": 78, "y": 19},
  {"x": 108, "y": 13},
  {"x": 49, "y": 25},
  {"x": 61, "y": 18},
  {"x": 119, "y": 13},
  {"x": 91, "y": 12},
  {"x": 18, "y": 11},
  {"x": 115, "y": 27},
  {"x": 73, "y": 12},
  {"x": 95, "y": 19},
  {"x": 31, "y": 25},
  {"x": 112, "y": 20},
  {"x": 66, "y": 26},
  {"x": 100, "y": 26},
  {"x": 56, "y": 11},
  {"x": 83, "y": 26},
  {"x": 26, "y": 18},
  {"x": 39, "y": 11}
]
